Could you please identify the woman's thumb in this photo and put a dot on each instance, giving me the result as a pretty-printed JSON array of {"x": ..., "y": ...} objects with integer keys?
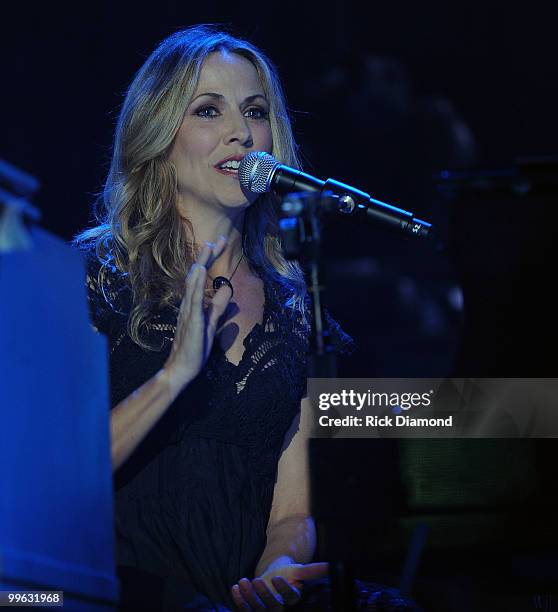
[{"x": 313, "y": 571}]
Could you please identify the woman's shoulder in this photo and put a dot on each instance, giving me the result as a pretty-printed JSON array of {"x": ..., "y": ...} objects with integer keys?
[
  {"x": 107, "y": 290},
  {"x": 341, "y": 341},
  {"x": 296, "y": 307}
]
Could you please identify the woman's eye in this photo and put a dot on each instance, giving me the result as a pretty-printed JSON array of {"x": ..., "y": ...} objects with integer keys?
[
  {"x": 256, "y": 113},
  {"x": 207, "y": 112}
]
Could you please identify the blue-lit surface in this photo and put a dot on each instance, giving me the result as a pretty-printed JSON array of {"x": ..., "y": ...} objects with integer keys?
[{"x": 56, "y": 524}]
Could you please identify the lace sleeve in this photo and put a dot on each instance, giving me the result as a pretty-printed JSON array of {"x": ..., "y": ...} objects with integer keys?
[
  {"x": 342, "y": 343},
  {"x": 102, "y": 295}
]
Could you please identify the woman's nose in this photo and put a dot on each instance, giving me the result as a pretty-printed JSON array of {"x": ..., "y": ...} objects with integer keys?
[{"x": 239, "y": 131}]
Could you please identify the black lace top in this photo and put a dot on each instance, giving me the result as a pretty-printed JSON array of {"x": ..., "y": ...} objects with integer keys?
[{"x": 193, "y": 501}]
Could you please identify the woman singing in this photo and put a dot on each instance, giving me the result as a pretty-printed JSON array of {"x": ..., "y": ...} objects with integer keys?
[{"x": 208, "y": 330}]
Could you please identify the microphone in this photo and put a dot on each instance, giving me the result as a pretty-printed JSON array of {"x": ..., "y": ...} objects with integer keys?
[{"x": 260, "y": 172}]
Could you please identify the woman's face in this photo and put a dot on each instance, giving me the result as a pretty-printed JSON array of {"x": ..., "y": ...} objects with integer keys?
[{"x": 226, "y": 119}]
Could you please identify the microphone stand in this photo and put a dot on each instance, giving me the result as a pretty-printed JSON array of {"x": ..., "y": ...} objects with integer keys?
[{"x": 300, "y": 231}]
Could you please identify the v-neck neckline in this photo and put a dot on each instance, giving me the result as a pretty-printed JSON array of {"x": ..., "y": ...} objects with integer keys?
[{"x": 258, "y": 327}]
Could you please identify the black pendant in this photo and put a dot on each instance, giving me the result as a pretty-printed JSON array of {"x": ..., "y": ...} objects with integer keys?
[{"x": 219, "y": 281}]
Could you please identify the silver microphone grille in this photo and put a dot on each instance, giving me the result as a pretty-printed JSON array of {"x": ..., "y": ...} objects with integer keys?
[{"x": 256, "y": 170}]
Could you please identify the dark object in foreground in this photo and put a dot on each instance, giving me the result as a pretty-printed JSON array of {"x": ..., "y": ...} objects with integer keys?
[{"x": 369, "y": 596}]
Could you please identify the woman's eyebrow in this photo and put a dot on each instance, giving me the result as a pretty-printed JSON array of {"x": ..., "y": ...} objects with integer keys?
[
  {"x": 217, "y": 96},
  {"x": 255, "y": 97},
  {"x": 210, "y": 94}
]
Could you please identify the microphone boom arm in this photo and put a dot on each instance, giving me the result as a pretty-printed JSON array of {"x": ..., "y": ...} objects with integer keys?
[{"x": 351, "y": 201}]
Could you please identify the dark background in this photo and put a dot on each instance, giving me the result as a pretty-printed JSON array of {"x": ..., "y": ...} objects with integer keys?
[{"x": 383, "y": 96}]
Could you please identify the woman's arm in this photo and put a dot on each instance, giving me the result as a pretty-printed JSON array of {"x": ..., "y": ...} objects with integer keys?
[
  {"x": 291, "y": 534},
  {"x": 134, "y": 417},
  {"x": 283, "y": 567}
]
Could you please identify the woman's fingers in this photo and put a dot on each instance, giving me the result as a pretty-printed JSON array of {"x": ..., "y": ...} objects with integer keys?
[
  {"x": 239, "y": 601},
  {"x": 205, "y": 254},
  {"x": 249, "y": 594},
  {"x": 190, "y": 285},
  {"x": 288, "y": 592},
  {"x": 218, "y": 247},
  {"x": 195, "y": 328},
  {"x": 196, "y": 305},
  {"x": 270, "y": 600},
  {"x": 215, "y": 250},
  {"x": 200, "y": 265},
  {"x": 255, "y": 595},
  {"x": 211, "y": 251}
]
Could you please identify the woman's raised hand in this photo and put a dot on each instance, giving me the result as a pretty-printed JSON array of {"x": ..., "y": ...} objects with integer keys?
[{"x": 196, "y": 325}]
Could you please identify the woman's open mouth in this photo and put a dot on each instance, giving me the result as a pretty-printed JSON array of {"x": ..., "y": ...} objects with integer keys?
[{"x": 228, "y": 167}]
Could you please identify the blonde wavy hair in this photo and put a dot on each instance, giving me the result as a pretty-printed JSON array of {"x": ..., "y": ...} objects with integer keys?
[{"x": 140, "y": 231}]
